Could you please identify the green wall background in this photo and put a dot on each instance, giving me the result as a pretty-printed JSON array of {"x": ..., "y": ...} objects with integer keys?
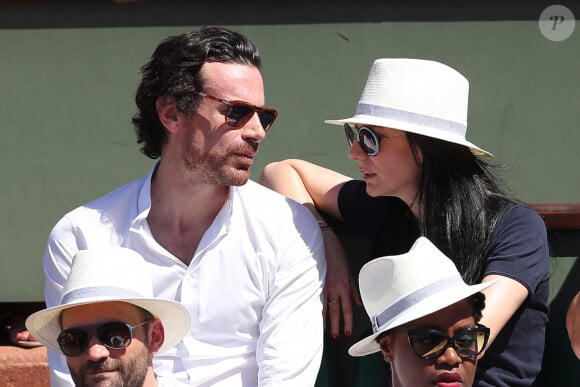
[{"x": 67, "y": 102}]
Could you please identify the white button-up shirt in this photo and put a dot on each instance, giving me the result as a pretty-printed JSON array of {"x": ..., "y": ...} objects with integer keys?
[{"x": 253, "y": 287}]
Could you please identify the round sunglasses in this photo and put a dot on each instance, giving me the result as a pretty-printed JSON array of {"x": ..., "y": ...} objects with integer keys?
[
  {"x": 429, "y": 344},
  {"x": 240, "y": 112},
  {"x": 367, "y": 138},
  {"x": 114, "y": 335}
]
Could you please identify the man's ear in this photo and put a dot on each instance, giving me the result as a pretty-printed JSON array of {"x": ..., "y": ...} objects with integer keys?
[
  {"x": 157, "y": 336},
  {"x": 167, "y": 112}
]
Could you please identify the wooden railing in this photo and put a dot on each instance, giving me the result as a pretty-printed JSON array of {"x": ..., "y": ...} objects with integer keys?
[
  {"x": 559, "y": 216},
  {"x": 563, "y": 224}
]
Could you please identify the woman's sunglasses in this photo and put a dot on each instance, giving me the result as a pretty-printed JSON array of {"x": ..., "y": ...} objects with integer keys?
[
  {"x": 240, "y": 112},
  {"x": 429, "y": 344},
  {"x": 115, "y": 335},
  {"x": 366, "y": 137}
]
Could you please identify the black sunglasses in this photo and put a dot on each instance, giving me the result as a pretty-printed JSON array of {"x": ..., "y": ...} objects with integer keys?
[
  {"x": 114, "y": 334},
  {"x": 366, "y": 137},
  {"x": 429, "y": 344},
  {"x": 240, "y": 112}
]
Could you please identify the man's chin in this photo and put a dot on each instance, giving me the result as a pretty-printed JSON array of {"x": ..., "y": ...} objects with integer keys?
[
  {"x": 108, "y": 379},
  {"x": 239, "y": 177}
]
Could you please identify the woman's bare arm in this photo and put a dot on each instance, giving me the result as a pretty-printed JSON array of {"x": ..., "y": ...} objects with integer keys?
[
  {"x": 317, "y": 188},
  {"x": 307, "y": 183}
]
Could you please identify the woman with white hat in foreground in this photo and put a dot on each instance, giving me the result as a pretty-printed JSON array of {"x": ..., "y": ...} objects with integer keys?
[
  {"x": 422, "y": 177},
  {"x": 425, "y": 322}
]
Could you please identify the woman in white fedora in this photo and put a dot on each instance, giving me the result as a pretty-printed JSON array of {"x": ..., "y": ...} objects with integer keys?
[
  {"x": 420, "y": 176},
  {"x": 425, "y": 322}
]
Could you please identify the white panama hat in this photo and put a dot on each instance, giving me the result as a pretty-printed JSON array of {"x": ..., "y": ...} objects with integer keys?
[
  {"x": 402, "y": 288},
  {"x": 418, "y": 96},
  {"x": 110, "y": 274}
]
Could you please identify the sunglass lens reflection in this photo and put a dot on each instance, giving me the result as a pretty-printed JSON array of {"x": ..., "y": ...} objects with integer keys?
[
  {"x": 73, "y": 342},
  {"x": 365, "y": 137},
  {"x": 114, "y": 335},
  {"x": 267, "y": 118},
  {"x": 239, "y": 114},
  {"x": 469, "y": 345},
  {"x": 368, "y": 141},
  {"x": 431, "y": 345},
  {"x": 350, "y": 134}
]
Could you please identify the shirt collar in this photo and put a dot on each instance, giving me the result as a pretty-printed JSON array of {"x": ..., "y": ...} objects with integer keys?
[{"x": 144, "y": 199}]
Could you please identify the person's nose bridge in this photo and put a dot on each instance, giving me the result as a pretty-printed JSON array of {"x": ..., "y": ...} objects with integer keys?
[
  {"x": 449, "y": 356},
  {"x": 96, "y": 349},
  {"x": 356, "y": 152}
]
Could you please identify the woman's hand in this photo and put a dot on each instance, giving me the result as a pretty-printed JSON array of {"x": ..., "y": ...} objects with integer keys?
[
  {"x": 317, "y": 188},
  {"x": 340, "y": 287}
]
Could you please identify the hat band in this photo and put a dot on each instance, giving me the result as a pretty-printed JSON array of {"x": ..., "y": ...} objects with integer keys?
[
  {"x": 98, "y": 291},
  {"x": 411, "y": 118},
  {"x": 385, "y": 316}
]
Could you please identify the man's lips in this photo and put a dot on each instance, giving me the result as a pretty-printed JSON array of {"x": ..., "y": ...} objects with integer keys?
[
  {"x": 101, "y": 371},
  {"x": 244, "y": 159}
]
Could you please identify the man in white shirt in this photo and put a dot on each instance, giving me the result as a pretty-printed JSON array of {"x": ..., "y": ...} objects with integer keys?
[{"x": 247, "y": 262}]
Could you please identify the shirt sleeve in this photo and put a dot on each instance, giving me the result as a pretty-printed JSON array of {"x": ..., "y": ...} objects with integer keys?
[
  {"x": 358, "y": 208},
  {"x": 519, "y": 248},
  {"x": 289, "y": 348},
  {"x": 57, "y": 260},
  {"x": 386, "y": 221}
]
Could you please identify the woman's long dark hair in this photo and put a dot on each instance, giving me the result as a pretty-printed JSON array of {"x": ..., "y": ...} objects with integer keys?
[{"x": 460, "y": 202}]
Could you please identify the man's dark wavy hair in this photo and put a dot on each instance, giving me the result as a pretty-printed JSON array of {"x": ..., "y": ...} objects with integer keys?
[{"x": 173, "y": 71}]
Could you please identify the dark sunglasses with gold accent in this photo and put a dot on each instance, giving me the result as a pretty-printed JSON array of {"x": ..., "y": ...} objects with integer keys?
[
  {"x": 367, "y": 138},
  {"x": 113, "y": 334},
  {"x": 240, "y": 112},
  {"x": 429, "y": 344}
]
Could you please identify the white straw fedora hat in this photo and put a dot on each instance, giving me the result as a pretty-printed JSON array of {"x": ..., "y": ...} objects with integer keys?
[
  {"x": 418, "y": 96},
  {"x": 401, "y": 288},
  {"x": 110, "y": 274}
]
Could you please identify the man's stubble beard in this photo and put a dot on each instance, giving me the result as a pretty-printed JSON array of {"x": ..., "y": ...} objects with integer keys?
[
  {"x": 215, "y": 168},
  {"x": 132, "y": 374}
]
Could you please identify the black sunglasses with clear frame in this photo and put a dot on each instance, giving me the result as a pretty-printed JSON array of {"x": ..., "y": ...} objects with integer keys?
[
  {"x": 113, "y": 334},
  {"x": 429, "y": 344},
  {"x": 367, "y": 138},
  {"x": 240, "y": 112}
]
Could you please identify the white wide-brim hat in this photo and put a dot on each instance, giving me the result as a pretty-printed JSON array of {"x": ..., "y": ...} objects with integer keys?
[
  {"x": 104, "y": 275},
  {"x": 418, "y": 96},
  {"x": 402, "y": 288}
]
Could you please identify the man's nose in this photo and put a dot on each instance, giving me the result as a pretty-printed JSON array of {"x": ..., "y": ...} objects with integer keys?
[
  {"x": 253, "y": 129},
  {"x": 96, "y": 350}
]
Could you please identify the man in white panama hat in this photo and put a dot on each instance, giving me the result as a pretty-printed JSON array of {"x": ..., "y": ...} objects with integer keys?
[
  {"x": 108, "y": 324},
  {"x": 424, "y": 318}
]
